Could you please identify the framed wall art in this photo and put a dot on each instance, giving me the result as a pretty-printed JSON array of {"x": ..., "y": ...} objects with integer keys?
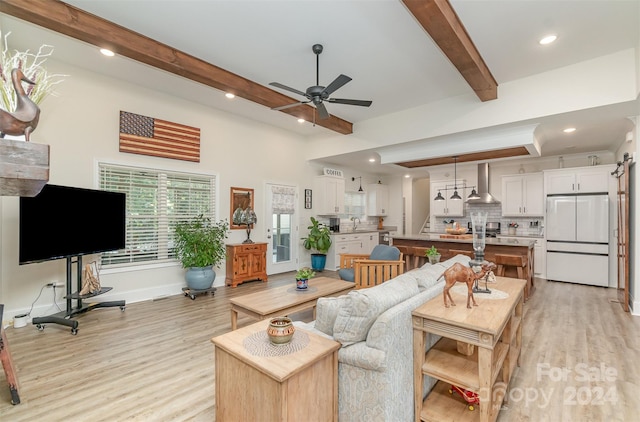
[{"x": 307, "y": 199}]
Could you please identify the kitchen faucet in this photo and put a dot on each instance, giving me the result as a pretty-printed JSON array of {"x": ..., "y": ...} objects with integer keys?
[{"x": 354, "y": 222}]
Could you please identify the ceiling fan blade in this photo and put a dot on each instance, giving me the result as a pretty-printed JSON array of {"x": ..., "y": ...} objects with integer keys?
[
  {"x": 290, "y": 105},
  {"x": 362, "y": 103},
  {"x": 322, "y": 111},
  {"x": 287, "y": 88},
  {"x": 337, "y": 83}
]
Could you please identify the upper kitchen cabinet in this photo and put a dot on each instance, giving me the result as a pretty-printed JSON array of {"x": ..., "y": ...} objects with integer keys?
[
  {"x": 523, "y": 195},
  {"x": 448, "y": 207},
  {"x": 377, "y": 200},
  {"x": 329, "y": 192},
  {"x": 577, "y": 180}
]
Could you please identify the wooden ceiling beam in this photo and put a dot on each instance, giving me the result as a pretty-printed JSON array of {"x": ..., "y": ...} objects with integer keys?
[
  {"x": 71, "y": 21},
  {"x": 464, "y": 158},
  {"x": 439, "y": 19}
]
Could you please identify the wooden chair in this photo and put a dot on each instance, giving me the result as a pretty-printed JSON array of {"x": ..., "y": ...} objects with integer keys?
[
  {"x": 7, "y": 364},
  {"x": 419, "y": 256},
  {"x": 367, "y": 271}
]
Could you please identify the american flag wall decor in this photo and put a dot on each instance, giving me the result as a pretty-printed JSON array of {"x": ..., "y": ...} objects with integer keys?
[{"x": 159, "y": 138}]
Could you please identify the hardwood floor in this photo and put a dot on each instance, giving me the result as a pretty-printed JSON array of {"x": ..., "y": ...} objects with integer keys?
[{"x": 154, "y": 362}]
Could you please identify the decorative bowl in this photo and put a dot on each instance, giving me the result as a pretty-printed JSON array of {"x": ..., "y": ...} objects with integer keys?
[
  {"x": 459, "y": 230},
  {"x": 280, "y": 330}
]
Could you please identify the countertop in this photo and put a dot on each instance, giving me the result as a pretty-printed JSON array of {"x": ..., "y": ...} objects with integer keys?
[{"x": 511, "y": 241}]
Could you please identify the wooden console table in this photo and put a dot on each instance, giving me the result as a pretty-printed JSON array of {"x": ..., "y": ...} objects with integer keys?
[
  {"x": 246, "y": 261},
  {"x": 494, "y": 328},
  {"x": 299, "y": 386}
]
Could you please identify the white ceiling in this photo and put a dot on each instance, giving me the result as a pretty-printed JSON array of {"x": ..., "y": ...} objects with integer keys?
[{"x": 378, "y": 43}]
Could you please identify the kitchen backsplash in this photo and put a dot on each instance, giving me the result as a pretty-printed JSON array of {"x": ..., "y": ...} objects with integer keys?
[{"x": 527, "y": 226}]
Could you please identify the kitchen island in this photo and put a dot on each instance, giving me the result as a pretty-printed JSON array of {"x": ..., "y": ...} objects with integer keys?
[{"x": 448, "y": 247}]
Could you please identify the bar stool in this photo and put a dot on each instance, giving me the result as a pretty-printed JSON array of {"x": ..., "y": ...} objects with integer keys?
[
  {"x": 408, "y": 256},
  {"x": 419, "y": 257},
  {"x": 454, "y": 252},
  {"x": 517, "y": 261}
]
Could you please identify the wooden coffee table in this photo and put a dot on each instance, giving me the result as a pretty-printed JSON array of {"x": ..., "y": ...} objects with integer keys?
[{"x": 285, "y": 300}]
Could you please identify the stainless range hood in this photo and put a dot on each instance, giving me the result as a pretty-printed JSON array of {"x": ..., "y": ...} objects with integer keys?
[{"x": 483, "y": 187}]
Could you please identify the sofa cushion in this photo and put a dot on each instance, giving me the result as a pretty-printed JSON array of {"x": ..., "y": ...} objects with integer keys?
[
  {"x": 362, "y": 307},
  {"x": 327, "y": 309},
  {"x": 347, "y": 274},
  {"x": 385, "y": 253}
]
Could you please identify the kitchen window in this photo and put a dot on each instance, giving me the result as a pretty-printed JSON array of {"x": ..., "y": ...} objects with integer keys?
[
  {"x": 354, "y": 205},
  {"x": 156, "y": 201}
]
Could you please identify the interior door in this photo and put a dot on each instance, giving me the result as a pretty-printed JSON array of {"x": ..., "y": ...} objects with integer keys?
[{"x": 282, "y": 230}]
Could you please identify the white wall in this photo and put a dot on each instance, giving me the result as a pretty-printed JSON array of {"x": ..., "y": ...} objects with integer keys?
[{"x": 81, "y": 126}]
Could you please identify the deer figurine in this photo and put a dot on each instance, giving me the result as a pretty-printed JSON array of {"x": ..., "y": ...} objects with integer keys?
[
  {"x": 458, "y": 272},
  {"x": 24, "y": 119}
]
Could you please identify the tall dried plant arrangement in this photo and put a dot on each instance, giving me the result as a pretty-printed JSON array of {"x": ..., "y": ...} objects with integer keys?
[{"x": 32, "y": 66}]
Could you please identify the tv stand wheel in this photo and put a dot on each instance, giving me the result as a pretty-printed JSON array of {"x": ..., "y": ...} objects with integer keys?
[
  {"x": 122, "y": 308},
  {"x": 74, "y": 331},
  {"x": 40, "y": 327}
]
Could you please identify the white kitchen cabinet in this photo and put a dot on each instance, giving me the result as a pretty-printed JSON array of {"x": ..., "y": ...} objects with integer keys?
[
  {"x": 523, "y": 195},
  {"x": 448, "y": 207},
  {"x": 355, "y": 243},
  {"x": 329, "y": 195},
  {"x": 591, "y": 179},
  {"x": 377, "y": 200}
]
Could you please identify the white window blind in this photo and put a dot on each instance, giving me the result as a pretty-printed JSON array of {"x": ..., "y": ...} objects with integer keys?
[
  {"x": 354, "y": 205},
  {"x": 156, "y": 201},
  {"x": 283, "y": 200}
]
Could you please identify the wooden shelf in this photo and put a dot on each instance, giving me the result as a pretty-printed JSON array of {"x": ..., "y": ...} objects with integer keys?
[
  {"x": 445, "y": 363},
  {"x": 441, "y": 406}
]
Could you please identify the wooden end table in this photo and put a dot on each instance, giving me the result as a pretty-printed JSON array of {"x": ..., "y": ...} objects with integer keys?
[
  {"x": 494, "y": 327},
  {"x": 285, "y": 300},
  {"x": 299, "y": 386}
]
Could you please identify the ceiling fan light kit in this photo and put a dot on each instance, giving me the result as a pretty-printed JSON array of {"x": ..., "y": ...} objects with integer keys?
[{"x": 318, "y": 94}]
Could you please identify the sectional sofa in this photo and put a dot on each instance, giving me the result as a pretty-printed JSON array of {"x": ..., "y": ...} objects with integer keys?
[{"x": 375, "y": 362}]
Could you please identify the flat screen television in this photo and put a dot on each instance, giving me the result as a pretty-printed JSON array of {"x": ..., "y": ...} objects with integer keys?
[{"x": 62, "y": 222}]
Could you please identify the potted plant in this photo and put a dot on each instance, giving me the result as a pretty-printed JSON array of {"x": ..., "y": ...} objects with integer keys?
[
  {"x": 199, "y": 246},
  {"x": 319, "y": 239},
  {"x": 303, "y": 275},
  {"x": 433, "y": 255}
]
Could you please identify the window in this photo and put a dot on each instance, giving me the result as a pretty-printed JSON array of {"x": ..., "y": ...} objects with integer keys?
[
  {"x": 354, "y": 205},
  {"x": 156, "y": 201}
]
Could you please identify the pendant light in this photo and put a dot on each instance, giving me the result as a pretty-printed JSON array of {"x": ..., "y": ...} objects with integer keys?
[
  {"x": 439, "y": 197},
  {"x": 455, "y": 195},
  {"x": 353, "y": 179},
  {"x": 474, "y": 194}
]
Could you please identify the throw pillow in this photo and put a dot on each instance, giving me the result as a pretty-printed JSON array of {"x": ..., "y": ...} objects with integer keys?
[
  {"x": 327, "y": 311},
  {"x": 365, "y": 305}
]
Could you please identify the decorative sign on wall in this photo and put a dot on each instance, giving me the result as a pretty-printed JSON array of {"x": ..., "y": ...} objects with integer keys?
[
  {"x": 332, "y": 172},
  {"x": 307, "y": 199},
  {"x": 159, "y": 138}
]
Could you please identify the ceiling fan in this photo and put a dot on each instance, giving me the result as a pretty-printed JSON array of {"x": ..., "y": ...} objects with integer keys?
[{"x": 318, "y": 94}]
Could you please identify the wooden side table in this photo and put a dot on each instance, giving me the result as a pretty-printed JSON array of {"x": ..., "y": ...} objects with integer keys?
[
  {"x": 246, "y": 261},
  {"x": 494, "y": 328},
  {"x": 298, "y": 386}
]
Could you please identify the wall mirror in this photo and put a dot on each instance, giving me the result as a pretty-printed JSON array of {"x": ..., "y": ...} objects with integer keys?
[{"x": 241, "y": 199}]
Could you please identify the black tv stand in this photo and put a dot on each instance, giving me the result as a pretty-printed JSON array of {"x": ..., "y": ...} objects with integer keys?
[{"x": 65, "y": 317}]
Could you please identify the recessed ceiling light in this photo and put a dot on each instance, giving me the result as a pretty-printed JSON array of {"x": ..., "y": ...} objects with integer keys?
[
  {"x": 372, "y": 160},
  {"x": 107, "y": 52},
  {"x": 406, "y": 176},
  {"x": 229, "y": 95},
  {"x": 301, "y": 120},
  {"x": 569, "y": 130},
  {"x": 548, "y": 39}
]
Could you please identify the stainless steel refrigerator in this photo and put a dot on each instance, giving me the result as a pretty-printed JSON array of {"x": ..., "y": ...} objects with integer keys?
[{"x": 577, "y": 228}]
